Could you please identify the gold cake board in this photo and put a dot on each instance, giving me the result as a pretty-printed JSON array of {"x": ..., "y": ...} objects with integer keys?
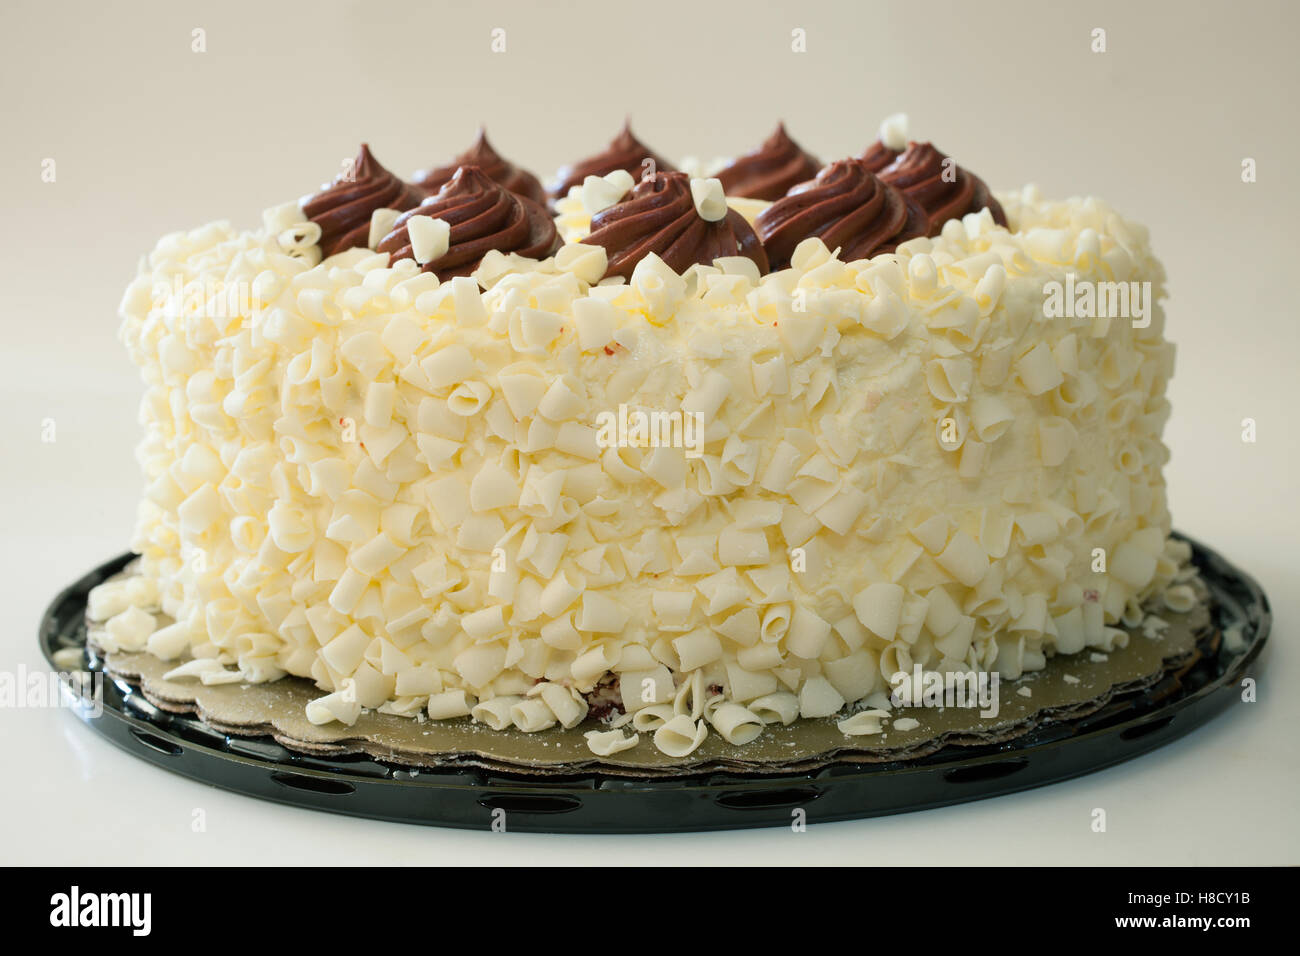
[{"x": 1070, "y": 687}]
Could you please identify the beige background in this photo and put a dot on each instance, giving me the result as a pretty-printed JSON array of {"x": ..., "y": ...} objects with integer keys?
[{"x": 149, "y": 136}]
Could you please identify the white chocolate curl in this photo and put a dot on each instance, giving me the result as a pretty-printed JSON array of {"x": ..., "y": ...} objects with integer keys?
[
  {"x": 381, "y": 224},
  {"x": 894, "y": 132},
  {"x": 601, "y": 192},
  {"x": 710, "y": 201},
  {"x": 430, "y": 238}
]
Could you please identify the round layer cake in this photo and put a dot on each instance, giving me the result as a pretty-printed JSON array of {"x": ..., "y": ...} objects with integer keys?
[{"x": 694, "y": 461}]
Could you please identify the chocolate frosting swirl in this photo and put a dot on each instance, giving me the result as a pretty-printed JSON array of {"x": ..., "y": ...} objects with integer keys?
[
  {"x": 919, "y": 172},
  {"x": 878, "y": 156},
  {"x": 660, "y": 217},
  {"x": 499, "y": 169},
  {"x": 342, "y": 208},
  {"x": 848, "y": 208},
  {"x": 625, "y": 152},
  {"x": 483, "y": 215},
  {"x": 771, "y": 170}
]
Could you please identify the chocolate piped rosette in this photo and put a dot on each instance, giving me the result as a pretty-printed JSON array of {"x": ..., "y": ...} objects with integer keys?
[
  {"x": 944, "y": 189},
  {"x": 770, "y": 171},
  {"x": 871, "y": 445},
  {"x": 589, "y": 185},
  {"x": 343, "y": 209},
  {"x": 848, "y": 209},
  {"x": 682, "y": 223},
  {"x": 449, "y": 233},
  {"x": 483, "y": 156},
  {"x": 625, "y": 152},
  {"x": 889, "y": 146}
]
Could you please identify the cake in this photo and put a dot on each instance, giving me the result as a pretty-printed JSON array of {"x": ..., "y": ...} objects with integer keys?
[{"x": 655, "y": 461}]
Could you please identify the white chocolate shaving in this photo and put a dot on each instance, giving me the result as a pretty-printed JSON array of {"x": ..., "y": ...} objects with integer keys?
[
  {"x": 430, "y": 238},
  {"x": 710, "y": 201},
  {"x": 600, "y": 192},
  {"x": 862, "y": 724},
  {"x": 381, "y": 224},
  {"x": 610, "y": 742},
  {"x": 894, "y": 131}
]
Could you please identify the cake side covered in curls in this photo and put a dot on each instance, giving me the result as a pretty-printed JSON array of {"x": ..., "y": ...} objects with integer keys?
[{"x": 683, "y": 500}]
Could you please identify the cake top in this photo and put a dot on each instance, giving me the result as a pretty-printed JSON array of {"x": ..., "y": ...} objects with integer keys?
[{"x": 631, "y": 203}]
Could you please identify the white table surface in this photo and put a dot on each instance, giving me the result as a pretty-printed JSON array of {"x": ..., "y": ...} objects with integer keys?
[{"x": 151, "y": 137}]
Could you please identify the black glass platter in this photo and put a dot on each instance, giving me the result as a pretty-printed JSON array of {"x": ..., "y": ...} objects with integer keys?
[{"x": 1127, "y": 726}]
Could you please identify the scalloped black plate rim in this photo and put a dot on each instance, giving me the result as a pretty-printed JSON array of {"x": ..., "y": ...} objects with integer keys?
[{"x": 471, "y": 797}]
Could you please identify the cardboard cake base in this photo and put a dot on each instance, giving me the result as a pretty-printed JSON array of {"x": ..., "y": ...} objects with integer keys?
[{"x": 1070, "y": 687}]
